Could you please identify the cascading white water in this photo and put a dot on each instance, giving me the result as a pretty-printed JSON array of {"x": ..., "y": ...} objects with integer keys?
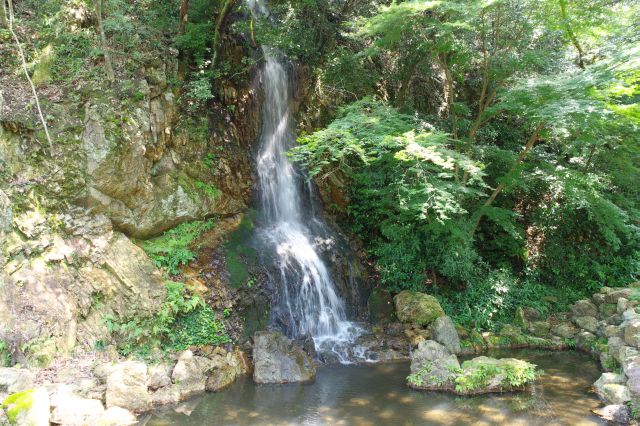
[{"x": 307, "y": 294}]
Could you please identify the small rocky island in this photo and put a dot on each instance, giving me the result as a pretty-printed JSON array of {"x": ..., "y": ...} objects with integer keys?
[{"x": 435, "y": 368}]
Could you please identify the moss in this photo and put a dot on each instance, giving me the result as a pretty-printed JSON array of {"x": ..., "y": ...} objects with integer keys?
[
  {"x": 42, "y": 69},
  {"x": 417, "y": 308},
  {"x": 238, "y": 273},
  {"x": 256, "y": 318},
  {"x": 519, "y": 319},
  {"x": 18, "y": 403},
  {"x": 477, "y": 373},
  {"x": 240, "y": 256}
]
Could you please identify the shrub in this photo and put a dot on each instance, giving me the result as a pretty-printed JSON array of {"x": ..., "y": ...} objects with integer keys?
[{"x": 180, "y": 322}]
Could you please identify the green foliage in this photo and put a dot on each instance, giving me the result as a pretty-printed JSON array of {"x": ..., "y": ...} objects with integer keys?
[
  {"x": 403, "y": 186},
  {"x": 474, "y": 377},
  {"x": 301, "y": 29},
  {"x": 172, "y": 249},
  {"x": 5, "y": 355},
  {"x": 180, "y": 322},
  {"x": 196, "y": 328}
]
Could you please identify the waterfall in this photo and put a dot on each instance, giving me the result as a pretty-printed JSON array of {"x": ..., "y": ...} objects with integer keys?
[{"x": 307, "y": 301}]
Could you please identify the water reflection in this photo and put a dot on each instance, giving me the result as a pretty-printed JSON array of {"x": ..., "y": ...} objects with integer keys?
[{"x": 376, "y": 395}]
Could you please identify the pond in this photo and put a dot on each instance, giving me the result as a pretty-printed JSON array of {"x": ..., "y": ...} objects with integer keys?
[{"x": 376, "y": 394}]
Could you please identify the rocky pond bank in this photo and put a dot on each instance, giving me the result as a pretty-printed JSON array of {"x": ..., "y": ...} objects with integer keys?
[{"x": 115, "y": 391}]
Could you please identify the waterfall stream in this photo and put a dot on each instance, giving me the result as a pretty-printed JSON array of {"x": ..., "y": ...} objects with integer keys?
[{"x": 307, "y": 300}]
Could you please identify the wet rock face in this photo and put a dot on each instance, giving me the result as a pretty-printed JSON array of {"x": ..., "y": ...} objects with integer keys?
[
  {"x": 380, "y": 306},
  {"x": 277, "y": 359}
]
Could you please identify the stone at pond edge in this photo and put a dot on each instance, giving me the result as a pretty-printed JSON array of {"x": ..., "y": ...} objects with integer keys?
[
  {"x": 73, "y": 411},
  {"x": 277, "y": 359},
  {"x": 617, "y": 414},
  {"x": 585, "y": 340},
  {"x": 116, "y": 416},
  {"x": 433, "y": 367},
  {"x": 190, "y": 374},
  {"x": 444, "y": 332},
  {"x": 495, "y": 373},
  {"x": 539, "y": 328},
  {"x": 159, "y": 376},
  {"x": 587, "y": 323},
  {"x": 127, "y": 387},
  {"x": 565, "y": 329},
  {"x": 632, "y": 333},
  {"x": 584, "y": 308},
  {"x": 417, "y": 308},
  {"x": 614, "y": 393}
]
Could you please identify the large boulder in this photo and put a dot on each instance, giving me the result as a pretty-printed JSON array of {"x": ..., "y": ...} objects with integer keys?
[
  {"x": 71, "y": 410},
  {"x": 167, "y": 395},
  {"x": 127, "y": 387},
  {"x": 433, "y": 367},
  {"x": 444, "y": 332},
  {"x": 584, "y": 308},
  {"x": 417, "y": 308},
  {"x": 278, "y": 359},
  {"x": 614, "y": 393},
  {"x": 14, "y": 380},
  {"x": 632, "y": 333},
  {"x": 587, "y": 323},
  {"x": 565, "y": 330},
  {"x": 617, "y": 414},
  {"x": 632, "y": 370},
  {"x": 488, "y": 375},
  {"x": 539, "y": 328},
  {"x": 159, "y": 376},
  {"x": 190, "y": 373}
]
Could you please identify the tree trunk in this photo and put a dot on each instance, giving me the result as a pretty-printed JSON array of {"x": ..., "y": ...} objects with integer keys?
[
  {"x": 4, "y": 22},
  {"x": 224, "y": 12},
  {"x": 570, "y": 33},
  {"x": 523, "y": 154},
  {"x": 103, "y": 39},
  {"x": 184, "y": 9}
]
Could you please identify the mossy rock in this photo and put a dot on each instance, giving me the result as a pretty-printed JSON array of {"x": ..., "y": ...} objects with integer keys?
[
  {"x": 519, "y": 319},
  {"x": 380, "y": 306},
  {"x": 486, "y": 375},
  {"x": 18, "y": 404},
  {"x": 417, "y": 308},
  {"x": 608, "y": 309}
]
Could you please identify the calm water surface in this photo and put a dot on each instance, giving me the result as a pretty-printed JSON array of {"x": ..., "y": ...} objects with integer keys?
[{"x": 377, "y": 395}]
